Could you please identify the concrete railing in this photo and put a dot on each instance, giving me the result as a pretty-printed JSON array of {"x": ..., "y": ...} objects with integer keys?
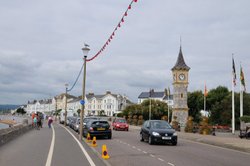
[{"x": 12, "y": 132}]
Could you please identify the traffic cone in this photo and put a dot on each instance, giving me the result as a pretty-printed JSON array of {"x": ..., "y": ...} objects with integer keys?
[
  {"x": 88, "y": 138},
  {"x": 94, "y": 144},
  {"x": 105, "y": 152}
]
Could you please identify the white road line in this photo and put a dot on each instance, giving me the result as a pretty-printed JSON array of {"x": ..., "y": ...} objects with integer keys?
[
  {"x": 51, "y": 149},
  {"x": 82, "y": 148},
  {"x": 160, "y": 159},
  {"x": 152, "y": 155},
  {"x": 139, "y": 149},
  {"x": 144, "y": 152},
  {"x": 171, "y": 164},
  {"x": 134, "y": 147}
]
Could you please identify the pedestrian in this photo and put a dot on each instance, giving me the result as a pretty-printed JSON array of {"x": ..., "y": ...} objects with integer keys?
[
  {"x": 35, "y": 122},
  {"x": 50, "y": 120},
  {"x": 38, "y": 122}
]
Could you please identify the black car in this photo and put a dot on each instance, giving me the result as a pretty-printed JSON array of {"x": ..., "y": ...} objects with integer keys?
[
  {"x": 97, "y": 128},
  {"x": 158, "y": 131}
]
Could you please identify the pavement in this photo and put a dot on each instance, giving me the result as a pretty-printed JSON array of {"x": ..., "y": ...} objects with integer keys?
[{"x": 221, "y": 139}]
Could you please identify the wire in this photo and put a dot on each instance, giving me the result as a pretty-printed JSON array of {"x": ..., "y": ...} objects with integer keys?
[
  {"x": 113, "y": 33},
  {"x": 76, "y": 79}
]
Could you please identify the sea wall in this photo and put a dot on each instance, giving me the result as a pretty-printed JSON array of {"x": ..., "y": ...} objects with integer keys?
[{"x": 13, "y": 132}]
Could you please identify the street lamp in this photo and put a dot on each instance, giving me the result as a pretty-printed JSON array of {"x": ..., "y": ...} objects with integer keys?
[
  {"x": 150, "y": 93},
  {"x": 85, "y": 51},
  {"x": 65, "y": 114}
]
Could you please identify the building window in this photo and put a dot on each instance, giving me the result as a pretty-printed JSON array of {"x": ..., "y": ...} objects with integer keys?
[{"x": 181, "y": 95}]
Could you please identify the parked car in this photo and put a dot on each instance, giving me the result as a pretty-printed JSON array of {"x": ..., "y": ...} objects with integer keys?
[
  {"x": 158, "y": 131},
  {"x": 72, "y": 120},
  {"x": 120, "y": 124},
  {"x": 76, "y": 124},
  {"x": 97, "y": 128},
  {"x": 85, "y": 120}
]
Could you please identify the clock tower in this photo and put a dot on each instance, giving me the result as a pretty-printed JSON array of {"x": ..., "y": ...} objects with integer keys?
[{"x": 180, "y": 85}]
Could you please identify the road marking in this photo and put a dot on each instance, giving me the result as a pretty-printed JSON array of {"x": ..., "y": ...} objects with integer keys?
[
  {"x": 51, "y": 149},
  {"x": 160, "y": 159},
  {"x": 144, "y": 152},
  {"x": 82, "y": 148},
  {"x": 152, "y": 155},
  {"x": 171, "y": 164},
  {"x": 139, "y": 149},
  {"x": 134, "y": 147}
]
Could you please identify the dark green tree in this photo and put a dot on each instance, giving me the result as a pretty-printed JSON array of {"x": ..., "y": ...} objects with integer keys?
[
  {"x": 195, "y": 105},
  {"x": 21, "y": 111}
]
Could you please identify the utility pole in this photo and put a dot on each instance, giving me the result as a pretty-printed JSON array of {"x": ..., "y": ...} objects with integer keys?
[{"x": 65, "y": 114}]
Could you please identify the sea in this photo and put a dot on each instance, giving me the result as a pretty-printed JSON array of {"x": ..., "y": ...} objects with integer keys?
[
  {"x": 9, "y": 117},
  {"x": 3, "y": 126}
]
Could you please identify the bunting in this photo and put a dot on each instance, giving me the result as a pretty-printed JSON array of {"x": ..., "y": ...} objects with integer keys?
[{"x": 111, "y": 37}]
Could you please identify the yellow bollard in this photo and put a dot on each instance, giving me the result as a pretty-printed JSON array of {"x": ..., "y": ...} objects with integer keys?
[
  {"x": 94, "y": 144},
  {"x": 105, "y": 152},
  {"x": 88, "y": 138}
]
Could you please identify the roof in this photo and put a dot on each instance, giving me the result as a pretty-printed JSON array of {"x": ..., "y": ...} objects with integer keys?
[
  {"x": 180, "y": 63},
  {"x": 153, "y": 95}
]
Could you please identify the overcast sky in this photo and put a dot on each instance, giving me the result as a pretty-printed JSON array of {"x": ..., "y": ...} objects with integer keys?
[{"x": 41, "y": 41}]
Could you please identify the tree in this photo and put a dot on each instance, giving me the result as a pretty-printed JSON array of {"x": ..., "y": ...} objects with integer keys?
[
  {"x": 218, "y": 102},
  {"x": 195, "y": 105},
  {"x": 158, "y": 109},
  {"x": 21, "y": 111}
]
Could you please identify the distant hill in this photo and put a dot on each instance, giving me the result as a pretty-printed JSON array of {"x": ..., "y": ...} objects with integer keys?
[{"x": 7, "y": 107}]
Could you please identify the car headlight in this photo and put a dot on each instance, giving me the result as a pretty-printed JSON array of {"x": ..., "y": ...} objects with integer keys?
[
  {"x": 175, "y": 134},
  {"x": 155, "y": 134}
]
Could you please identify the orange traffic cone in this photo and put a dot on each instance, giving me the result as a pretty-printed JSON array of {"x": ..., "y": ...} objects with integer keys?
[
  {"x": 94, "y": 144},
  {"x": 105, "y": 152},
  {"x": 88, "y": 138}
]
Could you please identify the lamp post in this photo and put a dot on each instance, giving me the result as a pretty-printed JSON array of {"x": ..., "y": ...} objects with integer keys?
[
  {"x": 65, "y": 114},
  {"x": 85, "y": 53},
  {"x": 150, "y": 104}
]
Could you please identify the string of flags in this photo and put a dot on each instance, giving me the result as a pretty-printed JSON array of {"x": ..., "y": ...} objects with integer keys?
[{"x": 111, "y": 37}]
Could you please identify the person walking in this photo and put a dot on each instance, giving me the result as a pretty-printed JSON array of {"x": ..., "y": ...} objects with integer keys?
[
  {"x": 35, "y": 122},
  {"x": 50, "y": 120}
]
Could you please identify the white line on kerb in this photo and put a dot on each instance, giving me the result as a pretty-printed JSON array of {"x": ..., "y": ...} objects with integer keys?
[
  {"x": 51, "y": 149},
  {"x": 82, "y": 148},
  {"x": 171, "y": 164}
]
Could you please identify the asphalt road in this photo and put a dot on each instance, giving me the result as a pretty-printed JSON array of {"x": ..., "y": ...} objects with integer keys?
[
  {"x": 125, "y": 149},
  {"x": 59, "y": 147}
]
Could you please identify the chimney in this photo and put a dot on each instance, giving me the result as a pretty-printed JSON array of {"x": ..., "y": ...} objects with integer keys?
[{"x": 108, "y": 92}]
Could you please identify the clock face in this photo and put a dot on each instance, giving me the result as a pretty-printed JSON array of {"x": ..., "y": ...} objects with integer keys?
[{"x": 182, "y": 77}]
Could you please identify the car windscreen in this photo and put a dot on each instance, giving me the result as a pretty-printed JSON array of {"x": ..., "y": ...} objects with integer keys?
[
  {"x": 160, "y": 125},
  {"x": 121, "y": 120},
  {"x": 100, "y": 124}
]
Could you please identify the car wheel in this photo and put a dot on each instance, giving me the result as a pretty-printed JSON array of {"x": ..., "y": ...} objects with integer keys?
[
  {"x": 150, "y": 141},
  {"x": 141, "y": 137},
  {"x": 174, "y": 143}
]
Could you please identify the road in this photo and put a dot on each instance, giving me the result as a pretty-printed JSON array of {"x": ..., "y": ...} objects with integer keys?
[{"x": 36, "y": 148}]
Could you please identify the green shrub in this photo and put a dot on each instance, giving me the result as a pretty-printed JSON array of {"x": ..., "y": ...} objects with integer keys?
[{"x": 245, "y": 119}]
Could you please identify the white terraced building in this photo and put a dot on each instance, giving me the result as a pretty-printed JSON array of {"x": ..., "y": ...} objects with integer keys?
[{"x": 108, "y": 104}]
